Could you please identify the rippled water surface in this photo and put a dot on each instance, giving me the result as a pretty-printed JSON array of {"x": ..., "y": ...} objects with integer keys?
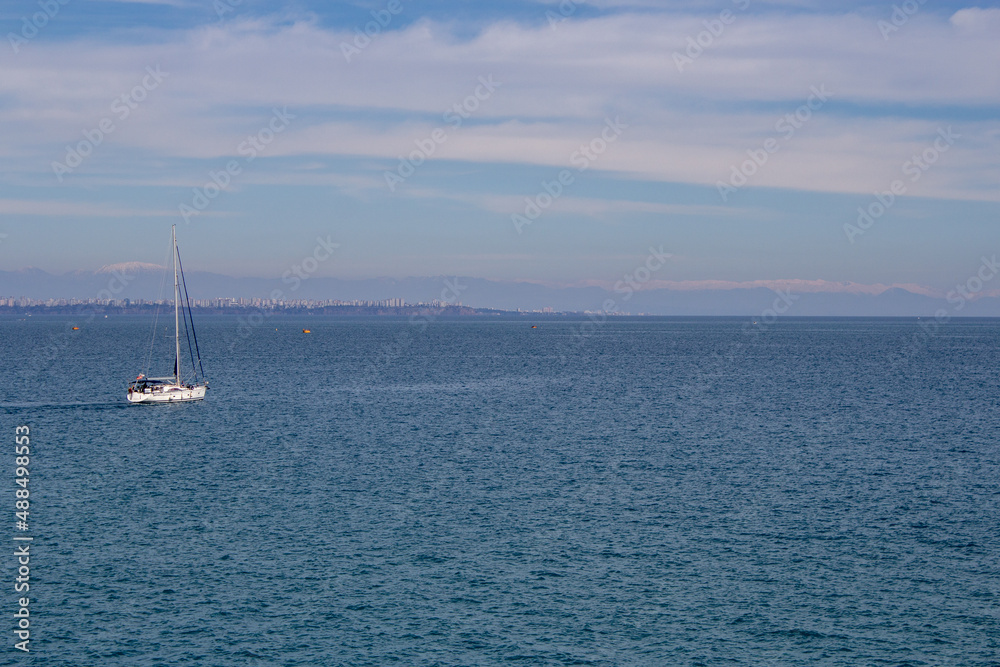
[{"x": 471, "y": 492}]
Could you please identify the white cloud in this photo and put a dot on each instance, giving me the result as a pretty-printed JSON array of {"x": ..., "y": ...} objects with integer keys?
[
  {"x": 582, "y": 206},
  {"x": 170, "y": 3},
  {"x": 27, "y": 207},
  {"x": 557, "y": 88},
  {"x": 977, "y": 19}
]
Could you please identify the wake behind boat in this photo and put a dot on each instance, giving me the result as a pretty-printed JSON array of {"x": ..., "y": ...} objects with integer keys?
[{"x": 173, "y": 388}]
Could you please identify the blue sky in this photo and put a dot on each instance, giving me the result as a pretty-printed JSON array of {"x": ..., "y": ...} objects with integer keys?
[{"x": 740, "y": 136}]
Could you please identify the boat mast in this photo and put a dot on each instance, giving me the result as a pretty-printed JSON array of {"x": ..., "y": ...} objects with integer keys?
[{"x": 177, "y": 301}]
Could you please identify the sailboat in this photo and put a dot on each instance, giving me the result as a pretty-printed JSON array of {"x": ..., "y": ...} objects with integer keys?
[{"x": 174, "y": 388}]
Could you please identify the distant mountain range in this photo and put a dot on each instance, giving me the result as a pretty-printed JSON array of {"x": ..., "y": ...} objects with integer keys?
[{"x": 136, "y": 280}]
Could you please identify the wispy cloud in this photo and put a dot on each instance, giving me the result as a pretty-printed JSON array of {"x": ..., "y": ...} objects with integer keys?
[
  {"x": 26, "y": 207},
  {"x": 170, "y": 3},
  {"x": 558, "y": 87}
]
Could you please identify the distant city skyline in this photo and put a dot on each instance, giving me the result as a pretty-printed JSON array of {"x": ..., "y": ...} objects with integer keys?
[
  {"x": 218, "y": 302},
  {"x": 698, "y": 145},
  {"x": 635, "y": 294}
]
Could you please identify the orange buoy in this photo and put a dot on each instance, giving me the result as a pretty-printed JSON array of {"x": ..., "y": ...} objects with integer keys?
[
  {"x": 305, "y": 331},
  {"x": 76, "y": 328}
]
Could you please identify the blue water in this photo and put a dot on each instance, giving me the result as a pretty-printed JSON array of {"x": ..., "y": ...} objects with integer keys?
[{"x": 477, "y": 492}]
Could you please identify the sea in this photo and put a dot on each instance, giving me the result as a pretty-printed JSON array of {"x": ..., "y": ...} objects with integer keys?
[{"x": 582, "y": 490}]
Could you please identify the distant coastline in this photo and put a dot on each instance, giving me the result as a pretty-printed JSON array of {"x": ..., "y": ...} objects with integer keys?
[
  {"x": 740, "y": 304},
  {"x": 426, "y": 311},
  {"x": 234, "y": 307}
]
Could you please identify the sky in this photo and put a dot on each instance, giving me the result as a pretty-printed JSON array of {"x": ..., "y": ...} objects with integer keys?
[{"x": 844, "y": 146}]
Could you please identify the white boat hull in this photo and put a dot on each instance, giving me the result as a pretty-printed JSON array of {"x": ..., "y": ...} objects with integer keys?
[
  {"x": 170, "y": 393},
  {"x": 172, "y": 389}
]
